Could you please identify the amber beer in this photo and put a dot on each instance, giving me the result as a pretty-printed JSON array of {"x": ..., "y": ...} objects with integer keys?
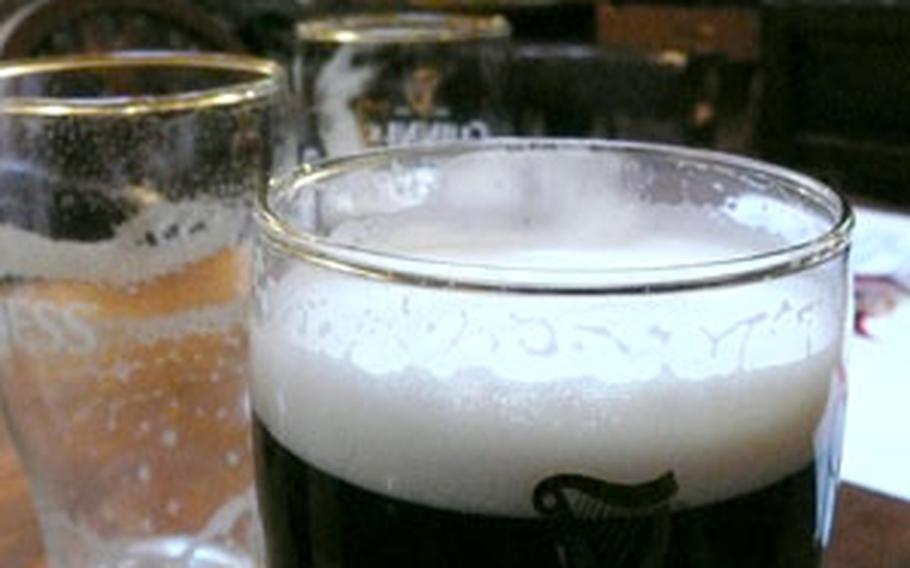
[
  {"x": 149, "y": 371},
  {"x": 482, "y": 372},
  {"x": 366, "y": 81}
]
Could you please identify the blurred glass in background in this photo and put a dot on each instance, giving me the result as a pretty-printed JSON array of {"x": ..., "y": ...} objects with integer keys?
[{"x": 365, "y": 81}]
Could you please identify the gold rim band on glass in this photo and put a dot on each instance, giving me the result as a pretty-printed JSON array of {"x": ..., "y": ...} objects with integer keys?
[
  {"x": 403, "y": 27},
  {"x": 267, "y": 78}
]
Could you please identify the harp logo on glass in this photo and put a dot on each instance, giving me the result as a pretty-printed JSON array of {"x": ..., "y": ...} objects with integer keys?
[
  {"x": 602, "y": 523},
  {"x": 421, "y": 118}
]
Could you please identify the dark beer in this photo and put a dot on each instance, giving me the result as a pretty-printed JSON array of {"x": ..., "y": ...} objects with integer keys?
[{"x": 315, "y": 519}]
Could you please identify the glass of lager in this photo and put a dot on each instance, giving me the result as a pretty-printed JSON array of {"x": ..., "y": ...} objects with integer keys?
[
  {"x": 125, "y": 187},
  {"x": 548, "y": 353},
  {"x": 371, "y": 80}
]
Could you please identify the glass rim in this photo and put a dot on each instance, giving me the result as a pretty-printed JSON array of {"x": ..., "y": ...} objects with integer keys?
[
  {"x": 423, "y": 271},
  {"x": 425, "y": 27},
  {"x": 269, "y": 81}
]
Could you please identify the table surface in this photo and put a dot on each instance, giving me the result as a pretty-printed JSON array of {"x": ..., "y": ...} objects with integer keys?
[{"x": 872, "y": 531}]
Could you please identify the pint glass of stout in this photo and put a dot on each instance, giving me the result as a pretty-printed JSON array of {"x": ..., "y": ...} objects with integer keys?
[{"x": 540, "y": 353}]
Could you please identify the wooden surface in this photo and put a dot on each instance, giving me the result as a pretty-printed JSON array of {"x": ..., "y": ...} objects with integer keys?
[
  {"x": 20, "y": 546},
  {"x": 872, "y": 531},
  {"x": 728, "y": 31}
]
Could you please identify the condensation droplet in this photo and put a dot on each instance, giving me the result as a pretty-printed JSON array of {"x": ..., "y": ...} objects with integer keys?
[
  {"x": 122, "y": 371},
  {"x": 144, "y": 473},
  {"x": 169, "y": 438},
  {"x": 173, "y": 507},
  {"x": 232, "y": 459}
]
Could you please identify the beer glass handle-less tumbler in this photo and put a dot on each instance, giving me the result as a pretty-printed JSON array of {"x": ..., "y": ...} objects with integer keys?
[
  {"x": 370, "y": 80},
  {"x": 125, "y": 185},
  {"x": 548, "y": 353}
]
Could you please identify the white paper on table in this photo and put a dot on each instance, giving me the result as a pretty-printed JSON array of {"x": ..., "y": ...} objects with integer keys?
[{"x": 877, "y": 436}]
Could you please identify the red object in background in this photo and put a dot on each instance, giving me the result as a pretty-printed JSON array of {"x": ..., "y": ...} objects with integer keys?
[{"x": 876, "y": 296}]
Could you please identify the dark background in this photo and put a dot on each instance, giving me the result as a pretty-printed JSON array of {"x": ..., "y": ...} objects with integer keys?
[{"x": 820, "y": 86}]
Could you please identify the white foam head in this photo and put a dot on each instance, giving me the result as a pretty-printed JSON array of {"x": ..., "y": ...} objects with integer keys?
[
  {"x": 159, "y": 240},
  {"x": 466, "y": 400}
]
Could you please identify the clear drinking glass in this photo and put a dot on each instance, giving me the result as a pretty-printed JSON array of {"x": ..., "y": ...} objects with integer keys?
[
  {"x": 544, "y": 353},
  {"x": 125, "y": 187},
  {"x": 371, "y": 80}
]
